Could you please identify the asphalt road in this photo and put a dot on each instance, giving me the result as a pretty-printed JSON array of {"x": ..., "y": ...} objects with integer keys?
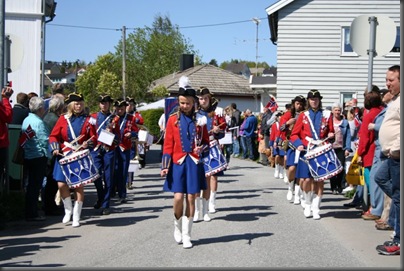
[{"x": 255, "y": 227}]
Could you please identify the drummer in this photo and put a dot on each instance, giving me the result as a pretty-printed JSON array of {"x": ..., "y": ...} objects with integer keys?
[
  {"x": 314, "y": 124},
  {"x": 216, "y": 125},
  {"x": 71, "y": 132},
  {"x": 104, "y": 153}
]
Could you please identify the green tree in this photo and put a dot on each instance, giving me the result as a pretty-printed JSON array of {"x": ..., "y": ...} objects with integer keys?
[
  {"x": 101, "y": 77},
  {"x": 151, "y": 53},
  {"x": 213, "y": 62}
]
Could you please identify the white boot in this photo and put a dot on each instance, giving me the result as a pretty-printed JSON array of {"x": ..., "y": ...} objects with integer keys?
[
  {"x": 289, "y": 195},
  {"x": 212, "y": 202},
  {"x": 67, "y": 203},
  {"x": 77, "y": 213},
  {"x": 285, "y": 176},
  {"x": 186, "y": 232},
  {"x": 315, "y": 206},
  {"x": 297, "y": 195},
  {"x": 276, "y": 174},
  {"x": 281, "y": 172},
  {"x": 307, "y": 199},
  {"x": 197, "y": 214},
  {"x": 178, "y": 230},
  {"x": 205, "y": 210}
]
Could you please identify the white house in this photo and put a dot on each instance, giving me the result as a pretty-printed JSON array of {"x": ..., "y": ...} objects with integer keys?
[
  {"x": 23, "y": 24},
  {"x": 313, "y": 49}
]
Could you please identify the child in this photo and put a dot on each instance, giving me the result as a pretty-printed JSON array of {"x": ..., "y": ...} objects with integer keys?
[{"x": 185, "y": 140}]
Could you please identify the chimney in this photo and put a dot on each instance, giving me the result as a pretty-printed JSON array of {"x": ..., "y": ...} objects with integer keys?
[{"x": 186, "y": 61}]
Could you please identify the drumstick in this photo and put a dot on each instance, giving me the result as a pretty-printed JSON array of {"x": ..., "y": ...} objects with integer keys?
[
  {"x": 84, "y": 142},
  {"x": 218, "y": 126},
  {"x": 73, "y": 141}
]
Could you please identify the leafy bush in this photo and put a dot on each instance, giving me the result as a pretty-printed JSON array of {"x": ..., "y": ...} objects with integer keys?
[{"x": 151, "y": 118}]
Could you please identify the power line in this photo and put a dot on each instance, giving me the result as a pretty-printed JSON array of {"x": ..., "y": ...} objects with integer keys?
[{"x": 133, "y": 28}]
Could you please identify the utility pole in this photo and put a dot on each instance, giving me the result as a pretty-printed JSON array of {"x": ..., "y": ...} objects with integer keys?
[
  {"x": 124, "y": 61},
  {"x": 257, "y": 22}
]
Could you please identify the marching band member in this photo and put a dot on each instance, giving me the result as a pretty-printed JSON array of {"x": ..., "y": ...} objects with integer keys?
[
  {"x": 104, "y": 155},
  {"x": 186, "y": 138},
  {"x": 128, "y": 131},
  {"x": 136, "y": 147},
  {"x": 286, "y": 123},
  {"x": 312, "y": 126},
  {"x": 277, "y": 152},
  {"x": 216, "y": 125},
  {"x": 74, "y": 126}
]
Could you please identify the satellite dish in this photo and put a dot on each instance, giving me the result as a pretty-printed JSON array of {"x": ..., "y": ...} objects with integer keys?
[
  {"x": 385, "y": 38},
  {"x": 16, "y": 52}
]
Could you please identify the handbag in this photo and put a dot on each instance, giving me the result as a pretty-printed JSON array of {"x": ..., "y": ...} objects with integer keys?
[
  {"x": 355, "y": 174},
  {"x": 18, "y": 157}
]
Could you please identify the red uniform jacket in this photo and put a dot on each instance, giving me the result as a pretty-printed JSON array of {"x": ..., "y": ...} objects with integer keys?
[
  {"x": 111, "y": 125},
  {"x": 302, "y": 130},
  {"x": 6, "y": 116},
  {"x": 366, "y": 147},
  {"x": 274, "y": 133},
  {"x": 174, "y": 146},
  {"x": 59, "y": 134},
  {"x": 127, "y": 124},
  {"x": 282, "y": 123}
]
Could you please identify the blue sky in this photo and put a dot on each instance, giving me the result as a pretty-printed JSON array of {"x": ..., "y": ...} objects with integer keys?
[{"x": 85, "y": 29}]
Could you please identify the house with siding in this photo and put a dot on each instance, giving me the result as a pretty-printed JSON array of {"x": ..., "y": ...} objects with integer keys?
[{"x": 313, "y": 49}]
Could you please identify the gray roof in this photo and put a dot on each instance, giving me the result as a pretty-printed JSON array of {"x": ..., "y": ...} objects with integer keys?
[
  {"x": 263, "y": 80},
  {"x": 217, "y": 80}
]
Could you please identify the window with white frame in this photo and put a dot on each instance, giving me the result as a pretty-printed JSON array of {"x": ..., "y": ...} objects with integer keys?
[
  {"x": 346, "y": 97},
  {"x": 346, "y": 48}
]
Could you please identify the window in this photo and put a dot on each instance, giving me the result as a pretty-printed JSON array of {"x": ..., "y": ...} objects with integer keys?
[
  {"x": 346, "y": 45},
  {"x": 346, "y": 48},
  {"x": 346, "y": 97}
]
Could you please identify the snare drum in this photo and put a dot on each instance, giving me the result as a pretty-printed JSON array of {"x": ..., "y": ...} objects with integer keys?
[
  {"x": 323, "y": 162},
  {"x": 215, "y": 162},
  {"x": 79, "y": 169}
]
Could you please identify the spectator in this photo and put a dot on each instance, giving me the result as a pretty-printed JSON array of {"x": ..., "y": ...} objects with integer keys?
[
  {"x": 20, "y": 108},
  {"x": 55, "y": 110},
  {"x": 236, "y": 132},
  {"x": 376, "y": 193},
  {"x": 366, "y": 146},
  {"x": 341, "y": 145},
  {"x": 35, "y": 156},
  {"x": 389, "y": 138},
  {"x": 249, "y": 129},
  {"x": 6, "y": 116}
]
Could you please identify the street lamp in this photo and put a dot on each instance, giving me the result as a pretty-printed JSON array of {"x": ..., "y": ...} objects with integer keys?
[{"x": 257, "y": 22}]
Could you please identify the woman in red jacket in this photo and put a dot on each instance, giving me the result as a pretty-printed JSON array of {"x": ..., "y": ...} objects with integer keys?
[
  {"x": 366, "y": 147},
  {"x": 6, "y": 116}
]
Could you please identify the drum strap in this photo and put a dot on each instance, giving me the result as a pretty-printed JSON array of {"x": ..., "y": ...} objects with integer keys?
[
  {"x": 311, "y": 125},
  {"x": 102, "y": 124}
]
